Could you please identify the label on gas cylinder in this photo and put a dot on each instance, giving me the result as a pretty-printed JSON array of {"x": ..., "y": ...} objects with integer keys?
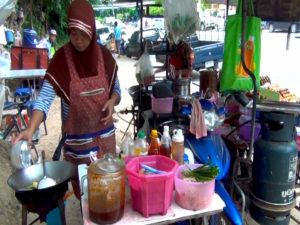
[{"x": 292, "y": 168}]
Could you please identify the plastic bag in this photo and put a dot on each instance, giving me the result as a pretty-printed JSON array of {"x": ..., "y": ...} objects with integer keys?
[
  {"x": 181, "y": 19},
  {"x": 5, "y": 62},
  {"x": 6, "y": 7},
  {"x": 144, "y": 70}
]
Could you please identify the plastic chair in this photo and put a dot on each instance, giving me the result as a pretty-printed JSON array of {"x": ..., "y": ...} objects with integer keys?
[{"x": 25, "y": 94}]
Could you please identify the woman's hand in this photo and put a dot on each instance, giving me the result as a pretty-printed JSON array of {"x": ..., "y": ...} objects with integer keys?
[
  {"x": 36, "y": 118},
  {"x": 108, "y": 107},
  {"x": 24, "y": 135}
]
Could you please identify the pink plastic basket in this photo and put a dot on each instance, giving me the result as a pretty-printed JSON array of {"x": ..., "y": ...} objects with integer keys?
[
  {"x": 162, "y": 105},
  {"x": 193, "y": 195},
  {"x": 151, "y": 194}
]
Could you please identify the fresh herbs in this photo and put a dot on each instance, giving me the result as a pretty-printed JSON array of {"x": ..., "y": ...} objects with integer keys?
[{"x": 203, "y": 173}]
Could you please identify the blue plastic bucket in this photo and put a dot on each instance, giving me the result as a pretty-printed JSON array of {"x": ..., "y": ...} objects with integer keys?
[
  {"x": 9, "y": 35},
  {"x": 29, "y": 38}
]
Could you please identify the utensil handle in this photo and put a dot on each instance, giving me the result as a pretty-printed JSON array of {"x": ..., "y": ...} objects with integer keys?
[
  {"x": 57, "y": 152},
  {"x": 83, "y": 178},
  {"x": 43, "y": 155}
]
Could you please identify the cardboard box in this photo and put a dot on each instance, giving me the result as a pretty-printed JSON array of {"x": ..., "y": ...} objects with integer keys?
[{"x": 29, "y": 58}]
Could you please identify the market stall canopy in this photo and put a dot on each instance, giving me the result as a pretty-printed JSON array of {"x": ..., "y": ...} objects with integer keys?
[{"x": 6, "y": 7}]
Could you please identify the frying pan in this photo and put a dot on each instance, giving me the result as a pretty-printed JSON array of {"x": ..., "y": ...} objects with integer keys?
[{"x": 61, "y": 171}]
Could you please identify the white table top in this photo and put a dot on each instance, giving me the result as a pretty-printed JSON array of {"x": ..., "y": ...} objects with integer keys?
[
  {"x": 131, "y": 217},
  {"x": 24, "y": 73}
]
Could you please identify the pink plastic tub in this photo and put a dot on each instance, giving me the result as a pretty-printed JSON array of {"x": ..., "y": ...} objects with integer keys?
[
  {"x": 151, "y": 194},
  {"x": 162, "y": 105},
  {"x": 193, "y": 195}
]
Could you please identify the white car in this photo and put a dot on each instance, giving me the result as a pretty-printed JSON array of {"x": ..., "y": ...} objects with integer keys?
[{"x": 103, "y": 32}]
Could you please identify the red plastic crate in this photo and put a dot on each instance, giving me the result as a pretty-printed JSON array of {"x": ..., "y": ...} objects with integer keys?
[
  {"x": 29, "y": 58},
  {"x": 151, "y": 194}
]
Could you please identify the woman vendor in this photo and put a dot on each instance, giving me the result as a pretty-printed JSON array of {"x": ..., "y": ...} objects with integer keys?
[{"x": 84, "y": 74}]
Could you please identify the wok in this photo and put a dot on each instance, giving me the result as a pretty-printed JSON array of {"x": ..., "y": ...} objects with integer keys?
[
  {"x": 134, "y": 92},
  {"x": 60, "y": 171}
]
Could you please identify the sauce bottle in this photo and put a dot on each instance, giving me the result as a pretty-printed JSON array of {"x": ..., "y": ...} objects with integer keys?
[
  {"x": 154, "y": 148},
  {"x": 140, "y": 145},
  {"x": 165, "y": 148},
  {"x": 177, "y": 148}
]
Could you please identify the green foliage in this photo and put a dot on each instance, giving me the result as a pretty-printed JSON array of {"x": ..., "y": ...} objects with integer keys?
[
  {"x": 55, "y": 12},
  {"x": 156, "y": 11},
  {"x": 120, "y": 16}
]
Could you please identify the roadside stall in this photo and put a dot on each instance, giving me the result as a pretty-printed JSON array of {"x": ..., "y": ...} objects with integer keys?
[
  {"x": 247, "y": 129},
  {"x": 199, "y": 116}
]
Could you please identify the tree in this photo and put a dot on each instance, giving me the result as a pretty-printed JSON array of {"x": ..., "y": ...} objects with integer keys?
[{"x": 41, "y": 15}]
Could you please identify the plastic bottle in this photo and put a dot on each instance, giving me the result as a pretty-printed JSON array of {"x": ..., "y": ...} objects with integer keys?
[
  {"x": 140, "y": 145},
  {"x": 127, "y": 145},
  {"x": 154, "y": 148},
  {"x": 165, "y": 148},
  {"x": 177, "y": 148}
]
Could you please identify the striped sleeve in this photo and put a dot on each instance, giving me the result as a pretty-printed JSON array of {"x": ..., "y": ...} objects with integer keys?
[
  {"x": 117, "y": 86},
  {"x": 45, "y": 98}
]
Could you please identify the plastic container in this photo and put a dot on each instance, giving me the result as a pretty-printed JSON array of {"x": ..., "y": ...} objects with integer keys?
[
  {"x": 140, "y": 145},
  {"x": 151, "y": 194},
  {"x": 193, "y": 195},
  {"x": 20, "y": 156},
  {"x": 177, "y": 148},
  {"x": 29, "y": 38},
  {"x": 162, "y": 105},
  {"x": 9, "y": 35},
  {"x": 245, "y": 131},
  {"x": 127, "y": 146}
]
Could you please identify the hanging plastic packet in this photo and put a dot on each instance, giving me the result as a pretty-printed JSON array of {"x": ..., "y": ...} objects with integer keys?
[
  {"x": 181, "y": 19},
  {"x": 144, "y": 69}
]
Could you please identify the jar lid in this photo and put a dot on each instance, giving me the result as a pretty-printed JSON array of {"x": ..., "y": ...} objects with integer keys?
[{"x": 108, "y": 165}]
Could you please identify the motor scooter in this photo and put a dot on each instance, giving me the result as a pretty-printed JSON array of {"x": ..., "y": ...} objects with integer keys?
[{"x": 213, "y": 149}]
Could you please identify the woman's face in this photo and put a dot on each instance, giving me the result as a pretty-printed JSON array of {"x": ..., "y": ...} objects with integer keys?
[{"x": 79, "y": 39}]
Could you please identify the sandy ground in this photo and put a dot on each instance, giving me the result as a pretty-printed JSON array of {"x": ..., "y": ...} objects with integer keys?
[{"x": 10, "y": 209}]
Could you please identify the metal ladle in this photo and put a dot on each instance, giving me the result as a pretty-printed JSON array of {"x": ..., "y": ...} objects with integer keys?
[{"x": 45, "y": 182}]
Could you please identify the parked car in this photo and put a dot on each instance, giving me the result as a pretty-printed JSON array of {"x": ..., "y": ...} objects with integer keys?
[
  {"x": 133, "y": 45},
  {"x": 205, "y": 54},
  {"x": 207, "y": 19},
  {"x": 283, "y": 26},
  {"x": 103, "y": 32},
  {"x": 220, "y": 21}
]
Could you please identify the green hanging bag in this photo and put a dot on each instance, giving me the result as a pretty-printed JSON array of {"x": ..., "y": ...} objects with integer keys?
[{"x": 234, "y": 77}]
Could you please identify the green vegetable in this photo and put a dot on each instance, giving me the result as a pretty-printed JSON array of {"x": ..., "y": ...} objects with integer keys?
[
  {"x": 205, "y": 172},
  {"x": 34, "y": 185}
]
